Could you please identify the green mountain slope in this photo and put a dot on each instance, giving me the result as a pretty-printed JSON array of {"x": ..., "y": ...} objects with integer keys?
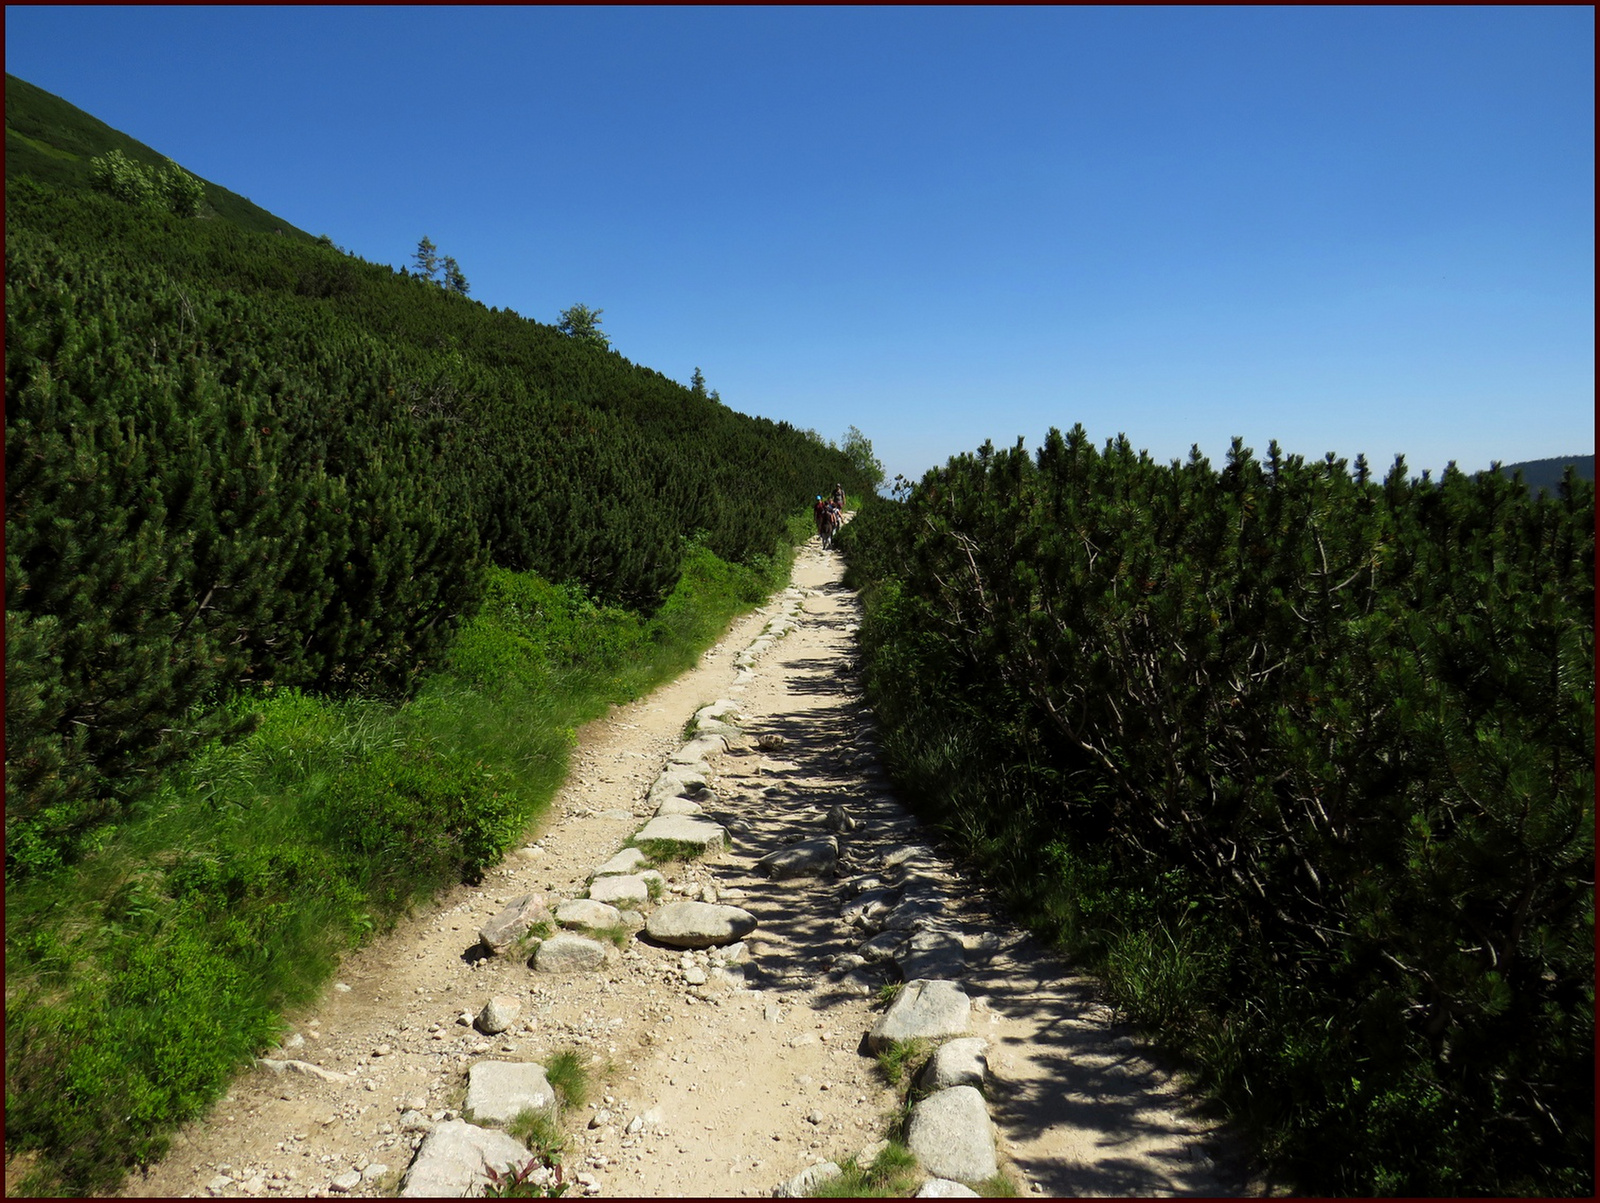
[
  {"x": 312, "y": 570},
  {"x": 1546, "y": 473},
  {"x": 51, "y": 140},
  {"x": 235, "y": 457}
]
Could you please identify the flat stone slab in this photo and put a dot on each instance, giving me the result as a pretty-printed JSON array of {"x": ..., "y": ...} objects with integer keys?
[
  {"x": 867, "y": 910},
  {"x": 302, "y": 1067},
  {"x": 807, "y": 1180},
  {"x": 698, "y": 748},
  {"x": 721, "y": 708},
  {"x": 568, "y": 952},
  {"x": 951, "y": 1135},
  {"x": 932, "y": 954},
  {"x": 699, "y": 924},
  {"x": 883, "y": 946},
  {"x": 630, "y": 890},
  {"x": 912, "y": 914},
  {"x": 497, "y": 1091},
  {"x": 518, "y": 918},
  {"x": 629, "y": 860},
  {"x": 589, "y": 914},
  {"x": 944, "y": 1188},
  {"x": 679, "y": 779},
  {"x": 961, "y": 1062},
  {"x": 453, "y": 1161},
  {"x": 925, "y": 1009},
  {"x": 810, "y": 858},
  {"x": 679, "y": 806},
  {"x": 684, "y": 829},
  {"x": 909, "y": 854}
]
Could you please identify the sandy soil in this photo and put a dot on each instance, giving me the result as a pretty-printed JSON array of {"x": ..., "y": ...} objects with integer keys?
[{"x": 741, "y": 1089}]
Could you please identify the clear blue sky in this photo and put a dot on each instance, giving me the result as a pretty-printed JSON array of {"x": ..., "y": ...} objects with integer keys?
[{"x": 1349, "y": 229}]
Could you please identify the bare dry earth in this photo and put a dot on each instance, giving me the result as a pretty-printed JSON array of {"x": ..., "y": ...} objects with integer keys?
[{"x": 740, "y": 1089}]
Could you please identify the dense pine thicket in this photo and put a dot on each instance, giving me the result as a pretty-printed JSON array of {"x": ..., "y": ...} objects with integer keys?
[
  {"x": 234, "y": 458},
  {"x": 1301, "y": 759}
]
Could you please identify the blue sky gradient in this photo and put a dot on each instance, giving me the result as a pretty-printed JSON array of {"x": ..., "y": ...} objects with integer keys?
[{"x": 1353, "y": 230}]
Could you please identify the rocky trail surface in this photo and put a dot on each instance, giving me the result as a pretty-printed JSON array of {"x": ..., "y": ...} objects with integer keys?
[{"x": 724, "y": 1059}]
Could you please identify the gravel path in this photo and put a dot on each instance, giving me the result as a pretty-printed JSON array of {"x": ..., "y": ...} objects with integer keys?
[{"x": 727, "y": 1090}]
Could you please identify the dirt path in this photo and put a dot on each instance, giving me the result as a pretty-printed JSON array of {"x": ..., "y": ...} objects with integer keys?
[{"x": 738, "y": 1089}]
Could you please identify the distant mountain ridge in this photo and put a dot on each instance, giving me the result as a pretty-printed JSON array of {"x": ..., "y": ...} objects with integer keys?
[
  {"x": 1546, "y": 473},
  {"x": 54, "y": 141}
]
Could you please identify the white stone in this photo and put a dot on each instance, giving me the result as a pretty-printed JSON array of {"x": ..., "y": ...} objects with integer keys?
[
  {"x": 699, "y": 924},
  {"x": 568, "y": 952},
  {"x": 301, "y": 1067},
  {"x": 622, "y": 888},
  {"x": 807, "y": 1180},
  {"x": 453, "y": 1160},
  {"x": 684, "y": 829},
  {"x": 951, "y": 1135},
  {"x": 498, "y": 1014},
  {"x": 497, "y": 1091},
  {"x": 679, "y": 806},
  {"x": 962, "y": 1062},
  {"x": 513, "y": 922},
  {"x": 944, "y": 1188},
  {"x": 927, "y": 1010},
  {"x": 629, "y": 860},
  {"x": 587, "y": 914}
]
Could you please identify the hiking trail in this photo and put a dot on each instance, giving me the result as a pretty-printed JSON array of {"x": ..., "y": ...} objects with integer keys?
[{"x": 720, "y": 1070}]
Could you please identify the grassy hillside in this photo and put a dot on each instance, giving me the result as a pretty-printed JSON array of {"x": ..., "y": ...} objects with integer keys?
[{"x": 52, "y": 141}]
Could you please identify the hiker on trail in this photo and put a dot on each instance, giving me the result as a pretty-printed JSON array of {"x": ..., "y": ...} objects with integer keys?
[
  {"x": 828, "y": 526},
  {"x": 838, "y": 497},
  {"x": 819, "y": 513}
]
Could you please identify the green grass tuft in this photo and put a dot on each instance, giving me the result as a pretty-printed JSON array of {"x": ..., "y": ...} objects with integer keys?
[
  {"x": 895, "y": 1062},
  {"x": 540, "y": 1131},
  {"x": 568, "y": 1078},
  {"x": 892, "y": 1174},
  {"x": 663, "y": 852}
]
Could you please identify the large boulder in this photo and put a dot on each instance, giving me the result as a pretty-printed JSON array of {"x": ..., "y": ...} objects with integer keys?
[
  {"x": 453, "y": 1161},
  {"x": 951, "y": 1135},
  {"x": 924, "y": 1010},
  {"x": 699, "y": 924}
]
